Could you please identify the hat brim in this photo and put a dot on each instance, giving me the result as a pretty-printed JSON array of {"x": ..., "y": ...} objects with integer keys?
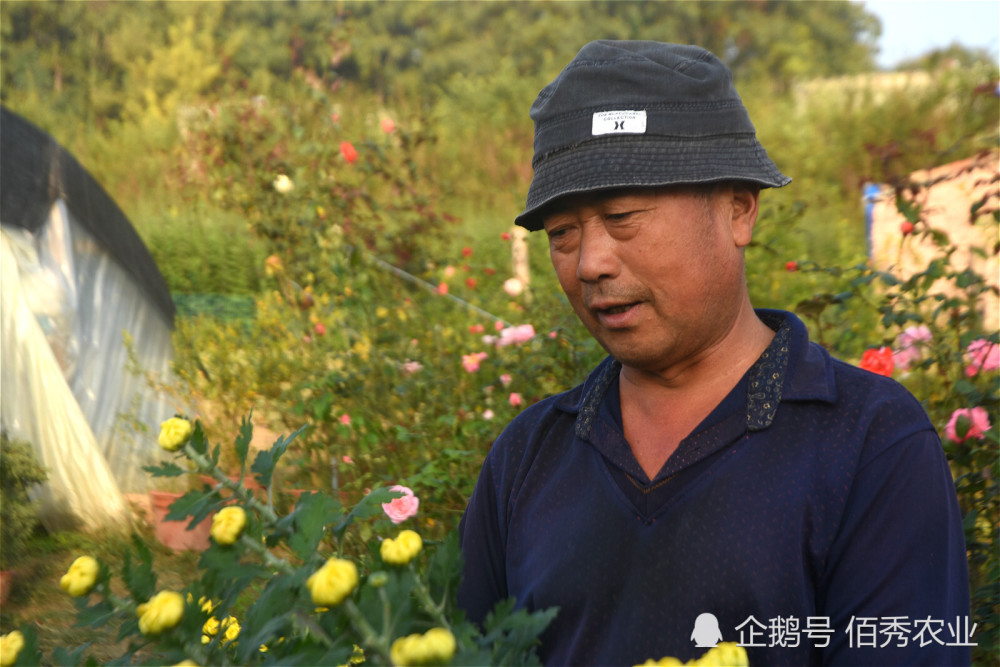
[{"x": 646, "y": 161}]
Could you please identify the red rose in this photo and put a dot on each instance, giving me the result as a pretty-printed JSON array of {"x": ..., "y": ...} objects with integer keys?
[
  {"x": 791, "y": 265},
  {"x": 348, "y": 151},
  {"x": 906, "y": 228},
  {"x": 466, "y": 251},
  {"x": 878, "y": 360},
  {"x": 470, "y": 282}
]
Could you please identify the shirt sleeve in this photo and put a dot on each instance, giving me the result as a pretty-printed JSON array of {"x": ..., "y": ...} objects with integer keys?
[{"x": 897, "y": 576}]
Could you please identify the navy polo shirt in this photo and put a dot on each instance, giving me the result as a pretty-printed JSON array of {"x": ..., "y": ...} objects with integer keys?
[{"x": 812, "y": 514}]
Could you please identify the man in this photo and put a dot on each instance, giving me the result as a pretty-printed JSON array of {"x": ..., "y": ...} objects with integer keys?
[{"x": 717, "y": 466}]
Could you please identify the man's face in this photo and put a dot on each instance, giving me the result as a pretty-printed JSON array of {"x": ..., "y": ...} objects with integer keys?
[{"x": 655, "y": 275}]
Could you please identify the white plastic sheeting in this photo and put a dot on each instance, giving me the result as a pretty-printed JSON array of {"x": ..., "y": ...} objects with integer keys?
[{"x": 66, "y": 386}]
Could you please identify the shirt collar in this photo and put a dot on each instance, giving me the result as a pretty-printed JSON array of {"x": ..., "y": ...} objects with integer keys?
[{"x": 790, "y": 369}]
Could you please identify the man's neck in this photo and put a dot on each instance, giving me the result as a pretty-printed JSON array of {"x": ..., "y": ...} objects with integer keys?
[{"x": 661, "y": 409}]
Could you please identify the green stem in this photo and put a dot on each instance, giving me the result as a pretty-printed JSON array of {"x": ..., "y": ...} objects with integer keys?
[
  {"x": 265, "y": 553},
  {"x": 206, "y": 466},
  {"x": 370, "y": 639},
  {"x": 424, "y": 596}
]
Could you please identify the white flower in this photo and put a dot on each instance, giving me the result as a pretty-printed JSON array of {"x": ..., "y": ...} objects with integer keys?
[
  {"x": 513, "y": 286},
  {"x": 283, "y": 184}
]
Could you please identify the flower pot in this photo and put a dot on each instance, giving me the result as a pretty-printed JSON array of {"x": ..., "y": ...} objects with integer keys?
[{"x": 175, "y": 534}]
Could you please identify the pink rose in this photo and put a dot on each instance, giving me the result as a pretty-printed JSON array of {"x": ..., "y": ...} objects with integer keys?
[
  {"x": 470, "y": 362},
  {"x": 515, "y": 399},
  {"x": 345, "y": 419},
  {"x": 388, "y": 126},
  {"x": 977, "y": 418},
  {"x": 516, "y": 335},
  {"x": 983, "y": 356},
  {"x": 400, "y": 509},
  {"x": 506, "y": 379}
]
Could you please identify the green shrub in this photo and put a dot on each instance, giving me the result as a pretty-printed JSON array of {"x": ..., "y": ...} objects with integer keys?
[{"x": 19, "y": 471}]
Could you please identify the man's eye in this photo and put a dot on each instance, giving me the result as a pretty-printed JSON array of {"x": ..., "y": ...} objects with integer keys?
[{"x": 619, "y": 216}]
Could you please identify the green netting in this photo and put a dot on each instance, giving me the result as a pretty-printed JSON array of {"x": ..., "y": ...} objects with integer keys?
[{"x": 224, "y": 307}]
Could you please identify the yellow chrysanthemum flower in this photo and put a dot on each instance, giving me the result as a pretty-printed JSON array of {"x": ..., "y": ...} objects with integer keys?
[
  {"x": 401, "y": 550},
  {"x": 228, "y": 524},
  {"x": 81, "y": 577},
  {"x": 10, "y": 646},
  {"x": 333, "y": 582},
  {"x": 726, "y": 654},
  {"x": 174, "y": 433},
  {"x": 434, "y": 647},
  {"x": 162, "y": 612}
]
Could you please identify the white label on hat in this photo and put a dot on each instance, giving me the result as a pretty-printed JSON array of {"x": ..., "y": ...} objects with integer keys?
[{"x": 619, "y": 122}]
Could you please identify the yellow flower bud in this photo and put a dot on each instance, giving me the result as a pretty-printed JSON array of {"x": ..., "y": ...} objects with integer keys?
[
  {"x": 174, "y": 433},
  {"x": 401, "y": 550},
  {"x": 81, "y": 577},
  {"x": 162, "y": 612},
  {"x": 228, "y": 524},
  {"x": 434, "y": 647},
  {"x": 10, "y": 646},
  {"x": 333, "y": 582}
]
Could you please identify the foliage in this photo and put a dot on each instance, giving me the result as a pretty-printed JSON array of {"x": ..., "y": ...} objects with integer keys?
[
  {"x": 227, "y": 615},
  {"x": 19, "y": 471},
  {"x": 190, "y": 113}
]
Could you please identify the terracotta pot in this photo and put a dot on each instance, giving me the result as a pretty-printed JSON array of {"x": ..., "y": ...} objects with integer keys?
[{"x": 175, "y": 534}]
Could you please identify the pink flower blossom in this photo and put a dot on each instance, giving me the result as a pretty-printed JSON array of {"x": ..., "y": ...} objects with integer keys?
[
  {"x": 911, "y": 344},
  {"x": 516, "y": 335},
  {"x": 347, "y": 459},
  {"x": 983, "y": 356},
  {"x": 978, "y": 421},
  {"x": 553, "y": 334},
  {"x": 388, "y": 126},
  {"x": 442, "y": 288},
  {"x": 470, "y": 362},
  {"x": 449, "y": 271},
  {"x": 513, "y": 286},
  {"x": 400, "y": 509},
  {"x": 515, "y": 399},
  {"x": 476, "y": 329},
  {"x": 345, "y": 419},
  {"x": 411, "y": 367},
  {"x": 505, "y": 379},
  {"x": 487, "y": 414},
  {"x": 498, "y": 325}
]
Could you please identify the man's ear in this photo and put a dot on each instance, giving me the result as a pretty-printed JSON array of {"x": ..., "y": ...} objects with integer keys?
[{"x": 745, "y": 201}]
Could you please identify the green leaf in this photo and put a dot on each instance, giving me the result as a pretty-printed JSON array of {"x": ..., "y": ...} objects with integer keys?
[
  {"x": 265, "y": 462},
  {"x": 139, "y": 577},
  {"x": 369, "y": 506},
  {"x": 95, "y": 615},
  {"x": 167, "y": 469},
  {"x": 311, "y": 516},
  {"x": 243, "y": 440}
]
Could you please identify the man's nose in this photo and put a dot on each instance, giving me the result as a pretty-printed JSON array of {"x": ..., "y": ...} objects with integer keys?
[{"x": 598, "y": 258}]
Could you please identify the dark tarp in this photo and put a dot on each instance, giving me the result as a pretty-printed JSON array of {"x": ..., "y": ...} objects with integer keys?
[{"x": 35, "y": 171}]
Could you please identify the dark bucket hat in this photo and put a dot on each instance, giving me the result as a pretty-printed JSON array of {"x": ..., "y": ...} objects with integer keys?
[{"x": 641, "y": 114}]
